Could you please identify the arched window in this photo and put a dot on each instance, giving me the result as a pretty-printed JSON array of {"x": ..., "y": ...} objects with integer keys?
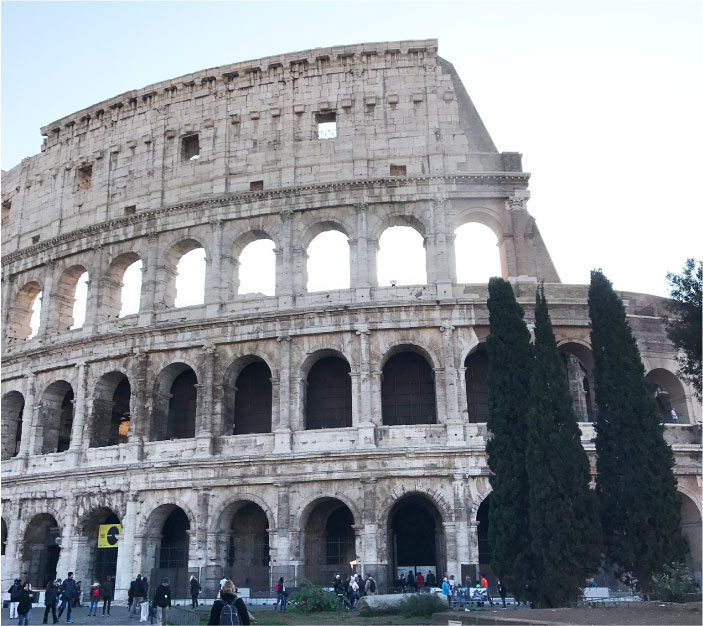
[
  {"x": 476, "y": 385},
  {"x": 401, "y": 257},
  {"x": 111, "y": 412},
  {"x": 72, "y": 298},
  {"x": 328, "y": 261},
  {"x": 477, "y": 254},
  {"x": 25, "y": 313},
  {"x": 669, "y": 395},
  {"x": 328, "y": 396},
  {"x": 577, "y": 361},
  {"x": 407, "y": 391},
  {"x": 12, "y": 411},
  {"x": 252, "y": 404},
  {"x": 190, "y": 279},
  {"x": 329, "y": 540},
  {"x": 257, "y": 268},
  {"x": 175, "y": 403},
  {"x": 81, "y": 301},
  {"x": 56, "y": 418},
  {"x": 130, "y": 294}
]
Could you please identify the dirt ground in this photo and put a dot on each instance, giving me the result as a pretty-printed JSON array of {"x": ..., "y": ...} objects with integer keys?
[{"x": 639, "y": 614}]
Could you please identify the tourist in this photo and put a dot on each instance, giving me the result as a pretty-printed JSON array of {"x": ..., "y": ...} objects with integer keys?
[
  {"x": 136, "y": 592},
  {"x": 77, "y": 594},
  {"x": 353, "y": 592},
  {"x": 194, "y": 591},
  {"x": 447, "y": 591},
  {"x": 14, "y": 592},
  {"x": 431, "y": 580},
  {"x": 68, "y": 591},
  {"x": 50, "y": 597},
  {"x": 452, "y": 583},
  {"x": 420, "y": 581},
  {"x": 281, "y": 594},
  {"x": 24, "y": 604},
  {"x": 411, "y": 580},
  {"x": 223, "y": 608},
  {"x": 501, "y": 591},
  {"x": 108, "y": 593},
  {"x": 370, "y": 586},
  {"x": 94, "y": 599},
  {"x": 162, "y": 601}
]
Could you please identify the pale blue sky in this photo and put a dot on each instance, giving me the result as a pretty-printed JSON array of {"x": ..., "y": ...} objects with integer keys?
[{"x": 602, "y": 98}]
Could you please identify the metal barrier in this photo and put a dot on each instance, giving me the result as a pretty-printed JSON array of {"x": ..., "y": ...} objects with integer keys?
[{"x": 183, "y": 617}]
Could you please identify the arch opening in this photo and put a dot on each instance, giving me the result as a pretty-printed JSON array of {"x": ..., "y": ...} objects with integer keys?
[
  {"x": 25, "y": 315},
  {"x": 408, "y": 391},
  {"x": 41, "y": 550},
  {"x": 4, "y": 537},
  {"x": 257, "y": 268},
  {"x": 476, "y": 378},
  {"x": 330, "y": 543},
  {"x": 328, "y": 262},
  {"x": 485, "y": 548},
  {"x": 477, "y": 253},
  {"x": 669, "y": 395},
  {"x": 56, "y": 418},
  {"x": 190, "y": 279},
  {"x": 175, "y": 403},
  {"x": 71, "y": 298},
  {"x": 100, "y": 556},
  {"x": 131, "y": 290},
  {"x": 328, "y": 402},
  {"x": 111, "y": 411},
  {"x": 691, "y": 530},
  {"x": 416, "y": 538},
  {"x": 167, "y": 548},
  {"x": 12, "y": 412},
  {"x": 577, "y": 363},
  {"x": 401, "y": 257},
  {"x": 253, "y": 399},
  {"x": 245, "y": 546}
]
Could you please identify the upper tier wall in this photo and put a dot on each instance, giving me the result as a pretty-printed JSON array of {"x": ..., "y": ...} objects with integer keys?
[{"x": 396, "y": 104}]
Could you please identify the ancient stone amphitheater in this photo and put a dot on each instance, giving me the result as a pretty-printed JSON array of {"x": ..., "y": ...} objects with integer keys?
[{"x": 258, "y": 436}]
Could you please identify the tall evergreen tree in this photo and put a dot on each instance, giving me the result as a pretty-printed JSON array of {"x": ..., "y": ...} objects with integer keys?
[
  {"x": 564, "y": 524},
  {"x": 639, "y": 506},
  {"x": 510, "y": 362}
]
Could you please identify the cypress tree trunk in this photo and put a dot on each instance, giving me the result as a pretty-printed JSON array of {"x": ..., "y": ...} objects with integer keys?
[
  {"x": 563, "y": 513},
  {"x": 510, "y": 362},
  {"x": 639, "y": 506}
]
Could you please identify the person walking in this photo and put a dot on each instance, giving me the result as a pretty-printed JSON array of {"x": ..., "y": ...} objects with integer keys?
[
  {"x": 501, "y": 591},
  {"x": 94, "y": 599},
  {"x": 24, "y": 604},
  {"x": 50, "y": 597},
  {"x": 370, "y": 586},
  {"x": 447, "y": 591},
  {"x": 229, "y": 604},
  {"x": 162, "y": 601},
  {"x": 136, "y": 590},
  {"x": 353, "y": 592},
  {"x": 108, "y": 594},
  {"x": 420, "y": 581},
  {"x": 281, "y": 593},
  {"x": 68, "y": 591},
  {"x": 194, "y": 591},
  {"x": 14, "y": 592}
]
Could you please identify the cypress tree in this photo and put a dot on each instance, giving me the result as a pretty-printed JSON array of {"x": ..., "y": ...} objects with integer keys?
[
  {"x": 510, "y": 361},
  {"x": 639, "y": 507},
  {"x": 564, "y": 524}
]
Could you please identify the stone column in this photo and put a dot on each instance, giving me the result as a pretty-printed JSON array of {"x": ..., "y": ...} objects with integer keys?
[
  {"x": 80, "y": 400},
  {"x": 69, "y": 539},
  {"x": 284, "y": 261},
  {"x": 213, "y": 277},
  {"x": 473, "y": 541},
  {"x": 126, "y": 566},
  {"x": 369, "y": 542},
  {"x": 12, "y": 513},
  {"x": 204, "y": 428},
  {"x": 48, "y": 302},
  {"x": 150, "y": 268},
  {"x": 442, "y": 259},
  {"x": 282, "y": 564},
  {"x": 29, "y": 415},
  {"x": 363, "y": 278},
  {"x": 282, "y": 432},
  {"x": 455, "y": 427},
  {"x": 201, "y": 527},
  {"x": 140, "y": 404},
  {"x": 452, "y": 563},
  {"x": 376, "y": 377},
  {"x": 365, "y": 424},
  {"x": 463, "y": 551}
]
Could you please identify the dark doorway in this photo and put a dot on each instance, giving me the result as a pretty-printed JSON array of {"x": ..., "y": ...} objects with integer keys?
[
  {"x": 41, "y": 550},
  {"x": 328, "y": 397},
  {"x": 173, "y": 552},
  {"x": 106, "y": 558},
  {"x": 66, "y": 422},
  {"x": 248, "y": 550},
  {"x": 182, "y": 406},
  {"x": 111, "y": 412},
  {"x": 329, "y": 542},
  {"x": 476, "y": 385},
  {"x": 484, "y": 544},
  {"x": 252, "y": 403},
  {"x": 416, "y": 537},
  {"x": 407, "y": 391}
]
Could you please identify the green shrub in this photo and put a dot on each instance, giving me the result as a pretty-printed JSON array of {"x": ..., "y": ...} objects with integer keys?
[
  {"x": 421, "y": 605},
  {"x": 311, "y": 599},
  {"x": 673, "y": 582}
]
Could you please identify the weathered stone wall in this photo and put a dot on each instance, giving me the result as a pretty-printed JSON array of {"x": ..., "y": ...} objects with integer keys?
[{"x": 395, "y": 104}]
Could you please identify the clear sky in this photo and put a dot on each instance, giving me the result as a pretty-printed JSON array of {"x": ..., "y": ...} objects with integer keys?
[{"x": 603, "y": 99}]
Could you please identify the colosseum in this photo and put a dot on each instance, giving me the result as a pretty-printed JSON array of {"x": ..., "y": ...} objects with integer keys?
[{"x": 292, "y": 433}]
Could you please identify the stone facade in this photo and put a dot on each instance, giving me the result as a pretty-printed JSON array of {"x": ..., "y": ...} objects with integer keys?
[{"x": 115, "y": 183}]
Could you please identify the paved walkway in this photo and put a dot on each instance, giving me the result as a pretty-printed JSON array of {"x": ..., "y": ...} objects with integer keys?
[{"x": 118, "y": 615}]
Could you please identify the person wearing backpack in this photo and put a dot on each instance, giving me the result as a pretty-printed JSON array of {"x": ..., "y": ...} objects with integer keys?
[
  {"x": 232, "y": 609},
  {"x": 282, "y": 594},
  {"x": 94, "y": 599},
  {"x": 162, "y": 600},
  {"x": 370, "y": 586}
]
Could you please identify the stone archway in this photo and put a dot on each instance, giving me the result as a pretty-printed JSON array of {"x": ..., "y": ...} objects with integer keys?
[
  {"x": 329, "y": 541},
  {"x": 669, "y": 394},
  {"x": 691, "y": 530},
  {"x": 416, "y": 538},
  {"x": 97, "y": 559},
  {"x": 40, "y": 550},
  {"x": 12, "y": 411}
]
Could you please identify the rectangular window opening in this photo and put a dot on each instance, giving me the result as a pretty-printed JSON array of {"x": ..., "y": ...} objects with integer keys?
[
  {"x": 130, "y": 210},
  {"x": 256, "y": 185},
  {"x": 6, "y": 208},
  {"x": 191, "y": 148},
  {"x": 84, "y": 178},
  {"x": 326, "y": 125},
  {"x": 36, "y": 238},
  {"x": 398, "y": 170}
]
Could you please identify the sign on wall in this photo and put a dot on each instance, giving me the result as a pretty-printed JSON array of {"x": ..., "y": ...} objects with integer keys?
[{"x": 107, "y": 535}]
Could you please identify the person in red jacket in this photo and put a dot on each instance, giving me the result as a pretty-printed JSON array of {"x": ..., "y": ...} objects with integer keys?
[{"x": 420, "y": 581}]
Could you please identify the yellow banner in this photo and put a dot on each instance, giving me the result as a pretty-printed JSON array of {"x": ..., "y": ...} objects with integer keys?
[{"x": 107, "y": 535}]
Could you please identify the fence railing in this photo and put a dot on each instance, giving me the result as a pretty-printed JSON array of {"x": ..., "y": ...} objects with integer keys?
[{"x": 183, "y": 617}]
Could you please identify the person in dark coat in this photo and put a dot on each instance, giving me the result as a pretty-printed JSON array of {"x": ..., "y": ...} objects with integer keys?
[
  {"x": 50, "y": 597},
  {"x": 228, "y": 595},
  {"x": 162, "y": 600},
  {"x": 194, "y": 590},
  {"x": 24, "y": 605},
  {"x": 108, "y": 593},
  {"x": 68, "y": 591},
  {"x": 136, "y": 593}
]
